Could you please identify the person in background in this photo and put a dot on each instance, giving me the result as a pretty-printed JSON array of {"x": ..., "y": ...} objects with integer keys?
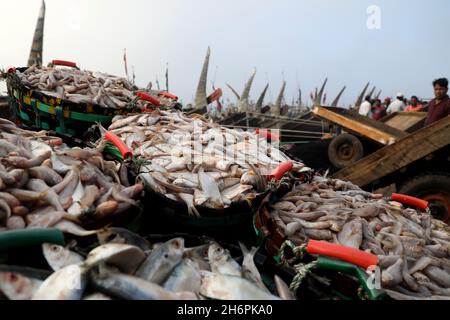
[
  {"x": 364, "y": 108},
  {"x": 386, "y": 102},
  {"x": 439, "y": 107},
  {"x": 396, "y": 105},
  {"x": 378, "y": 110},
  {"x": 414, "y": 105}
]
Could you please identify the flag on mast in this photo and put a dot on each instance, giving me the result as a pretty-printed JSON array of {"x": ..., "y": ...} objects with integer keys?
[
  {"x": 167, "y": 77},
  {"x": 125, "y": 62}
]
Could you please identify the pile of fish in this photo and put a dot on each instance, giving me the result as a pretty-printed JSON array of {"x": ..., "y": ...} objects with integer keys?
[
  {"x": 413, "y": 248},
  {"x": 86, "y": 87},
  {"x": 126, "y": 266},
  {"x": 190, "y": 159},
  {"x": 45, "y": 184}
]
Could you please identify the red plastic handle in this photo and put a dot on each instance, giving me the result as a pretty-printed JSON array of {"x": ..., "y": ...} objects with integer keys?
[
  {"x": 64, "y": 63},
  {"x": 422, "y": 204},
  {"x": 281, "y": 170},
  {"x": 123, "y": 148},
  {"x": 149, "y": 98},
  {"x": 357, "y": 257},
  {"x": 268, "y": 135},
  {"x": 214, "y": 96},
  {"x": 168, "y": 95}
]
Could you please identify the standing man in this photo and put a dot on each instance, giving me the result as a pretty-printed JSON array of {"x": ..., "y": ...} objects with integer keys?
[
  {"x": 396, "y": 105},
  {"x": 378, "y": 110},
  {"x": 414, "y": 105},
  {"x": 364, "y": 108},
  {"x": 439, "y": 107}
]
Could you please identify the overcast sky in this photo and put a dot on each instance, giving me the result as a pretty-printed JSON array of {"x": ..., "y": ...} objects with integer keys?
[{"x": 303, "y": 41}]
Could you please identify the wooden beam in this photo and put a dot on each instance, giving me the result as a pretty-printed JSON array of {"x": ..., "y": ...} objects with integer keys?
[
  {"x": 355, "y": 126},
  {"x": 398, "y": 155}
]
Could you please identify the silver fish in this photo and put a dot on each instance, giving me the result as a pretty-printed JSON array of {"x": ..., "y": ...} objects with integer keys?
[
  {"x": 59, "y": 257},
  {"x": 18, "y": 287},
  {"x": 67, "y": 283},
  {"x": 130, "y": 287},
  {"x": 123, "y": 256},
  {"x": 184, "y": 278},
  {"x": 160, "y": 263},
  {"x": 222, "y": 262},
  {"x": 249, "y": 270},
  {"x": 229, "y": 287}
]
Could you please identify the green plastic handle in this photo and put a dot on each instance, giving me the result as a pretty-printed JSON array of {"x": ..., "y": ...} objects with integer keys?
[
  {"x": 353, "y": 270},
  {"x": 113, "y": 151},
  {"x": 28, "y": 237}
]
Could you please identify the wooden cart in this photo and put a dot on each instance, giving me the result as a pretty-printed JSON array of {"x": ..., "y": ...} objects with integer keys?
[
  {"x": 362, "y": 135},
  {"x": 418, "y": 164}
]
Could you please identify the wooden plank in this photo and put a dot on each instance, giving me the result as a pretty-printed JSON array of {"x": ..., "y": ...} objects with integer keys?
[
  {"x": 355, "y": 126},
  {"x": 355, "y": 116},
  {"x": 391, "y": 158},
  {"x": 404, "y": 120}
]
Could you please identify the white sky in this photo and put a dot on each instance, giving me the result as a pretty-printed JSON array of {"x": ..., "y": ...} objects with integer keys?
[{"x": 304, "y": 40}]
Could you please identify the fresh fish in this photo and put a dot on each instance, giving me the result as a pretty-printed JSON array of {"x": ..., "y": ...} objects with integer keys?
[
  {"x": 67, "y": 283},
  {"x": 249, "y": 270},
  {"x": 210, "y": 188},
  {"x": 158, "y": 266},
  {"x": 133, "y": 288},
  {"x": 15, "y": 222},
  {"x": 47, "y": 220},
  {"x": 199, "y": 255},
  {"x": 392, "y": 276},
  {"x": 74, "y": 229},
  {"x": 189, "y": 201},
  {"x": 58, "y": 257},
  {"x": 438, "y": 275},
  {"x": 351, "y": 234},
  {"x": 184, "y": 278},
  {"x": 123, "y": 256},
  {"x": 46, "y": 174},
  {"x": 222, "y": 262},
  {"x": 236, "y": 190},
  {"x": 229, "y": 287},
  {"x": 121, "y": 235},
  {"x": 18, "y": 287}
]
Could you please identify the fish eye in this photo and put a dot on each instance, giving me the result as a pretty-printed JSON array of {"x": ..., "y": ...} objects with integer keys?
[{"x": 166, "y": 256}]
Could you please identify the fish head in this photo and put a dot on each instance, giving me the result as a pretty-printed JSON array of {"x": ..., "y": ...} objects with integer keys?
[
  {"x": 55, "y": 255},
  {"x": 174, "y": 249},
  {"x": 17, "y": 287},
  {"x": 216, "y": 253}
]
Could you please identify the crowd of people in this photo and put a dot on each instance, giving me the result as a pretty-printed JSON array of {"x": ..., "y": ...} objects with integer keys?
[
  {"x": 437, "y": 108},
  {"x": 377, "y": 109}
]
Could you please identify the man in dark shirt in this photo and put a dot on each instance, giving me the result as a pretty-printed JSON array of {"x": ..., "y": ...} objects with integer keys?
[{"x": 439, "y": 107}]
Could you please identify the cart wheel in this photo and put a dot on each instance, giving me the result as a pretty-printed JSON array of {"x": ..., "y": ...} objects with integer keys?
[
  {"x": 434, "y": 188},
  {"x": 344, "y": 150}
]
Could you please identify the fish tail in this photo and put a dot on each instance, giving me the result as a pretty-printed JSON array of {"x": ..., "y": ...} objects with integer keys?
[
  {"x": 244, "y": 249},
  {"x": 253, "y": 251}
]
